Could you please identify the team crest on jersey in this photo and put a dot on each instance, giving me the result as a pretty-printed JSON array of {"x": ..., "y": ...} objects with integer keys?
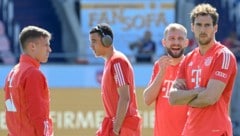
[{"x": 208, "y": 61}]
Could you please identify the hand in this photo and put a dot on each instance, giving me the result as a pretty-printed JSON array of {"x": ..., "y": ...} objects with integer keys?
[
  {"x": 116, "y": 129},
  {"x": 164, "y": 62},
  {"x": 179, "y": 84},
  {"x": 115, "y": 133}
]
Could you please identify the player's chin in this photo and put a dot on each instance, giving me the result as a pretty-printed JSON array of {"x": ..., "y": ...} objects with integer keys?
[
  {"x": 96, "y": 55},
  {"x": 45, "y": 60}
]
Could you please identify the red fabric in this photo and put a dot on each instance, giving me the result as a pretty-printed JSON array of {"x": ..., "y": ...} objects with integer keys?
[
  {"x": 112, "y": 79},
  {"x": 106, "y": 128},
  {"x": 117, "y": 72},
  {"x": 131, "y": 126},
  {"x": 220, "y": 64},
  {"x": 169, "y": 120},
  {"x": 27, "y": 100}
]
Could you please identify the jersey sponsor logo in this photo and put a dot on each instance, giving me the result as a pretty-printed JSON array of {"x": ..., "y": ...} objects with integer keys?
[
  {"x": 220, "y": 74},
  {"x": 208, "y": 61},
  {"x": 166, "y": 87},
  {"x": 196, "y": 77}
]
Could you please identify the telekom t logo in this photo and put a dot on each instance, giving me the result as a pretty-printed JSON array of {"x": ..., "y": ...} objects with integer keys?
[
  {"x": 166, "y": 87},
  {"x": 196, "y": 77}
]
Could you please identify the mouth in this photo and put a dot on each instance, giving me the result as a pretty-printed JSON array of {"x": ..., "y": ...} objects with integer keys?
[
  {"x": 203, "y": 35},
  {"x": 93, "y": 51},
  {"x": 175, "y": 49}
]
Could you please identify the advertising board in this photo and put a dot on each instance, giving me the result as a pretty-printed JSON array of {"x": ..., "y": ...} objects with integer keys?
[{"x": 79, "y": 111}]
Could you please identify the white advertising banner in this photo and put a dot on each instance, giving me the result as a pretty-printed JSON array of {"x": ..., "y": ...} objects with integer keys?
[{"x": 129, "y": 19}]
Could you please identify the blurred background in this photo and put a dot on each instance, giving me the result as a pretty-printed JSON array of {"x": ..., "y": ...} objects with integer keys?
[{"x": 74, "y": 74}]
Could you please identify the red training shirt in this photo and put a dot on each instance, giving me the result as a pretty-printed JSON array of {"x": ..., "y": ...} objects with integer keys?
[
  {"x": 220, "y": 64},
  {"x": 27, "y": 100},
  {"x": 169, "y": 120}
]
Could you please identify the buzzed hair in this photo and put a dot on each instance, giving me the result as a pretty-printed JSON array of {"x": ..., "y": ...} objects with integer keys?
[
  {"x": 175, "y": 26},
  {"x": 32, "y": 32}
]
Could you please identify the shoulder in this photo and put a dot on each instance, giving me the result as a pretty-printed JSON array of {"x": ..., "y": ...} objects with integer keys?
[
  {"x": 119, "y": 57},
  {"x": 222, "y": 50},
  {"x": 34, "y": 72},
  {"x": 224, "y": 56},
  {"x": 191, "y": 54}
]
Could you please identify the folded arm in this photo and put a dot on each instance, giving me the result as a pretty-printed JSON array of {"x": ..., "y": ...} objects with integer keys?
[
  {"x": 209, "y": 95},
  {"x": 198, "y": 97},
  {"x": 179, "y": 95}
]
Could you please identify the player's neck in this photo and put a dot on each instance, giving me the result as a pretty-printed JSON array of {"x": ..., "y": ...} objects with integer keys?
[
  {"x": 176, "y": 61},
  {"x": 109, "y": 53},
  {"x": 204, "y": 48}
]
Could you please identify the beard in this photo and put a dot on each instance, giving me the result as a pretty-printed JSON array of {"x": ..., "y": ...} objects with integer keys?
[
  {"x": 175, "y": 55},
  {"x": 203, "y": 41}
]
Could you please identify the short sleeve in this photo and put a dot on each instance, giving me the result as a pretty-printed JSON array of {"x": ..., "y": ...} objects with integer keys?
[
  {"x": 224, "y": 67},
  {"x": 121, "y": 71}
]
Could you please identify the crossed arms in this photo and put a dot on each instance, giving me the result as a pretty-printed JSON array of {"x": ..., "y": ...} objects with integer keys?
[{"x": 198, "y": 97}]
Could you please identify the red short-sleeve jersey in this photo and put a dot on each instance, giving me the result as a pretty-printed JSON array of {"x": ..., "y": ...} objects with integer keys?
[
  {"x": 218, "y": 63},
  {"x": 117, "y": 72},
  {"x": 169, "y": 120}
]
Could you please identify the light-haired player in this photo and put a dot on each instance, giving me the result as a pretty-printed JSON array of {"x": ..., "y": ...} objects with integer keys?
[{"x": 169, "y": 120}]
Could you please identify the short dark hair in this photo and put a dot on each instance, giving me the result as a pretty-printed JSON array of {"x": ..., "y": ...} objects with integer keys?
[
  {"x": 102, "y": 28},
  {"x": 32, "y": 32},
  {"x": 203, "y": 10}
]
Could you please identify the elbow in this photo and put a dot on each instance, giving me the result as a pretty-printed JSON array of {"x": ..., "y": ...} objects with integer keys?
[
  {"x": 147, "y": 102},
  {"x": 146, "y": 99},
  {"x": 211, "y": 101},
  {"x": 172, "y": 101}
]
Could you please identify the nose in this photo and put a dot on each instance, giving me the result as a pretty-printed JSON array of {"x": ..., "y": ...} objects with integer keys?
[
  {"x": 175, "y": 41},
  {"x": 202, "y": 29},
  {"x": 91, "y": 46},
  {"x": 49, "y": 49}
]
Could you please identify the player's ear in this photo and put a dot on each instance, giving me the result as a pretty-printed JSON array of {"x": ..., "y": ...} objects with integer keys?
[
  {"x": 163, "y": 42},
  {"x": 192, "y": 27},
  {"x": 31, "y": 46},
  {"x": 186, "y": 43},
  {"x": 216, "y": 28}
]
